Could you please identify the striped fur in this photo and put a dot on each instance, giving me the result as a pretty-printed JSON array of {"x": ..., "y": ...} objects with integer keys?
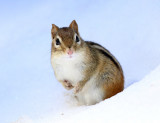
[
  {"x": 105, "y": 52},
  {"x": 93, "y": 72}
]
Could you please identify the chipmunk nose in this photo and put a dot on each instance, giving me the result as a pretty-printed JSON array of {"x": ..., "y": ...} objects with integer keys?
[{"x": 70, "y": 52}]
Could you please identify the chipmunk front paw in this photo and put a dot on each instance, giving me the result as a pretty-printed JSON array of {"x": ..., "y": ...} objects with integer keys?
[{"x": 67, "y": 85}]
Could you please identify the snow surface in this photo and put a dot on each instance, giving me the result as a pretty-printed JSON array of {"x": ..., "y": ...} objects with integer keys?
[
  {"x": 139, "y": 103},
  {"x": 29, "y": 91}
]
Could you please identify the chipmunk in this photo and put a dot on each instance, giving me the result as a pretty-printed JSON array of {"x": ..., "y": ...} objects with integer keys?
[{"x": 88, "y": 67}]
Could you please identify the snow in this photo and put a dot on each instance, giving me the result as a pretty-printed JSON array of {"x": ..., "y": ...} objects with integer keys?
[
  {"x": 30, "y": 93},
  {"x": 138, "y": 103}
]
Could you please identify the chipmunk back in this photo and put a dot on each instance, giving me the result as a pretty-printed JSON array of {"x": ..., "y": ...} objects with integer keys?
[{"x": 87, "y": 67}]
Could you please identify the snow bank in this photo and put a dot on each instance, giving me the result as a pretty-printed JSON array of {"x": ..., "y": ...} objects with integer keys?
[{"x": 139, "y": 103}]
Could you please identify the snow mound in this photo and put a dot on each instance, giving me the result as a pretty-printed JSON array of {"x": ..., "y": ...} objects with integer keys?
[{"x": 139, "y": 103}]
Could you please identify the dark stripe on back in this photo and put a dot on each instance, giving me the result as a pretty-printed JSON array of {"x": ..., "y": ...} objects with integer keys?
[
  {"x": 93, "y": 43},
  {"x": 104, "y": 53},
  {"x": 110, "y": 57}
]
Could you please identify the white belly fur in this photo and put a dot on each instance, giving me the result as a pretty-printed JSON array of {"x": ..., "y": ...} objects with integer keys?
[
  {"x": 70, "y": 69},
  {"x": 90, "y": 94}
]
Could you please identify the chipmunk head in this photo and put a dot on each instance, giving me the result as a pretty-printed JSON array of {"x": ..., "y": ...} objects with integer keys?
[{"x": 66, "y": 40}]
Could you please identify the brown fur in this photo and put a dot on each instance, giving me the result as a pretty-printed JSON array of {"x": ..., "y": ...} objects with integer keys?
[
  {"x": 112, "y": 79},
  {"x": 98, "y": 61}
]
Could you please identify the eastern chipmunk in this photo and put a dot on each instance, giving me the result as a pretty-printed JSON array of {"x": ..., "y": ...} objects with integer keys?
[{"x": 89, "y": 68}]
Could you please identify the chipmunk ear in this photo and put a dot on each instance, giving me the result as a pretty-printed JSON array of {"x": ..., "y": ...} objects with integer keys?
[
  {"x": 74, "y": 26},
  {"x": 54, "y": 30}
]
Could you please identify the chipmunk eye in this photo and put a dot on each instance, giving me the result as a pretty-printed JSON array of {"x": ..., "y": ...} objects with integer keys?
[
  {"x": 57, "y": 42},
  {"x": 77, "y": 39}
]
